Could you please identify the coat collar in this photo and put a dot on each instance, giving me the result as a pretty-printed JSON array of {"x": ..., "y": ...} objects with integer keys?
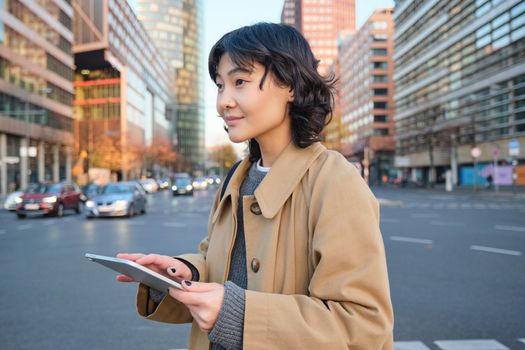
[{"x": 279, "y": 183}]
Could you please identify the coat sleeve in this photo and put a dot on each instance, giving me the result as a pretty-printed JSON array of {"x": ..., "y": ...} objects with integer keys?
[
  {"x": 170, "y": 310},
  {"x": 348, "y": 305}
]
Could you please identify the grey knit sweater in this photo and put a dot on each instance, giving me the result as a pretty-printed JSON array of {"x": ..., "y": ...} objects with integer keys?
[{"x": 228, "y": 330}]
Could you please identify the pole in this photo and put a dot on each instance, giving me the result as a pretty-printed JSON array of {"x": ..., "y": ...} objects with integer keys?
[
  {"x": 474, "y": 173},
  {"x": 496, "y": 187}
]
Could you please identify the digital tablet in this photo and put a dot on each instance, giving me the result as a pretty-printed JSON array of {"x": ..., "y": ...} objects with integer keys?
[{"x": 138, "y": 272}]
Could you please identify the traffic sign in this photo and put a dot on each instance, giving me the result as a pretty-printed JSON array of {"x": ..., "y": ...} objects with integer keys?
[
  {"x": 514, "y": 147},
  {"x": 495, "y": 152},
  {"x": 475, "y": 152}
]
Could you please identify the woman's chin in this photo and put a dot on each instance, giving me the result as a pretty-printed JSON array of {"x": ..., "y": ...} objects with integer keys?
[{"x": 237, "y": 138}]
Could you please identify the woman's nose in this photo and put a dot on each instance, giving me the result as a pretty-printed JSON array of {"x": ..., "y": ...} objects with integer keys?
[{"x": 225, "y": 101}]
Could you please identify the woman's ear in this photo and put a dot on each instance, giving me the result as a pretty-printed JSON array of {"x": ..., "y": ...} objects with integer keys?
[{"x": 291, "y": 96}]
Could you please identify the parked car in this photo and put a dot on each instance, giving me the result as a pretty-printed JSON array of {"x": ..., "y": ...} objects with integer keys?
[
  {"x": 149, "y": 185},
  {"x": 118, "y": 199},
  {"x": 182, "y": 185},
  {"x": 200, "y": 183},
  {"x": 12, "y": 200},
  {"x": 91, "y": 190},
  {"x": 50, "y": 198}
]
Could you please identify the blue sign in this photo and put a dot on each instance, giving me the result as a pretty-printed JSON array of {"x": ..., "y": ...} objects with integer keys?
[{"x": 513, "y": 144}]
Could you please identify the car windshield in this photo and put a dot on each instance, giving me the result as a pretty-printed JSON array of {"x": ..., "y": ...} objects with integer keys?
[
  {"x": 117, "y": 188},
  {"x": 182, "y": 182},
  {"x": 44, "y": 188}
]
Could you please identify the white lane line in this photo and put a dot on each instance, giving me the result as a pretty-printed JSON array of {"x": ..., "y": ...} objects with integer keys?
[
  {"x": 173, "y": 224},
  {"x": 509, "y": 228},
  {"x": 389, "y": 220},
  {"x": 50, "y": 222},
  {"x": 410, "y": 345},
  {"x": 522, "y": 340},
  {"x": 495, "y": 250},
  {"x": 24, "y": 227},
  {"x": 411, "y": 240},
  {"x": 444, "y": 223},
  {"x": 476, "y": 344},
  {"x": 425, "y": 216}
]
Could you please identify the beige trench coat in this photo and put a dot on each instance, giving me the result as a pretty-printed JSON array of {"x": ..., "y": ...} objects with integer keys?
[{"x": 317, "y": 275}]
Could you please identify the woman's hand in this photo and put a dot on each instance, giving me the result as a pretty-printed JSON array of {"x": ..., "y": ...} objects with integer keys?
[
  {"x": 163, "y": 264},
  {"x": 204, "y": 300}
]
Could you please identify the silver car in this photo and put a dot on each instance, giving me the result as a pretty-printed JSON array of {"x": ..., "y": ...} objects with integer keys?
[{"x": 118, "y": 199}]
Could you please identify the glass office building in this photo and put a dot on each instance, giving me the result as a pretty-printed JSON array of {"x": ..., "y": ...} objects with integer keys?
[
  {"x": 36, "y": 92},
  {"x": 460, "y": 85},
  {"x": 176, "y": 28},
  {"x": 123, "y": 93}
]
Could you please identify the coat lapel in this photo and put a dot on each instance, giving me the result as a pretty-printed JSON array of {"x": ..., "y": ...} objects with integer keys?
[{"x": 283, "y": 177}]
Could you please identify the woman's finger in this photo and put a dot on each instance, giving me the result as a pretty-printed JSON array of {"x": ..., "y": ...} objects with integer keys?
[
  {"x": 124, "y": 278},
  {"x": 129, "y": 256}
]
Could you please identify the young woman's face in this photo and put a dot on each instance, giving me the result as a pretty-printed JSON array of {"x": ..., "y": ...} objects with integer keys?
[{"x": 247, "y": 110}]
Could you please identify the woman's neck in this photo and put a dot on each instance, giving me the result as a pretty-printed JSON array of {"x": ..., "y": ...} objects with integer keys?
[{"x": 271, "y": 150}]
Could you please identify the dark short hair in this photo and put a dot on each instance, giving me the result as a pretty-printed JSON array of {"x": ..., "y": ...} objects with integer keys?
[{"x": 286, "y": 54}]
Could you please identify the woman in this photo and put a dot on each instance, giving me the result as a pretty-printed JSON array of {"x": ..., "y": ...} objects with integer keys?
[{"x": 294, "y": 258}]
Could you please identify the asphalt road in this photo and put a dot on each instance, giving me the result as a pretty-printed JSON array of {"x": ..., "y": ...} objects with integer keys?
[{"x": 456, "y": 265}]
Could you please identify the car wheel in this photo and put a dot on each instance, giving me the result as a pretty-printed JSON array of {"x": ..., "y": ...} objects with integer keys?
[
  {"x": 131, "y": 211},
  {"x": 60, "y": 210},
  {"x": 21, "y": 216}
]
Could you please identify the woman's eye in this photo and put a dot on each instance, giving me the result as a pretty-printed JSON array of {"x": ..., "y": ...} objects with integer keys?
[
  {"x": 219, "y": 86},
  {"x": 239, "y": 82}
]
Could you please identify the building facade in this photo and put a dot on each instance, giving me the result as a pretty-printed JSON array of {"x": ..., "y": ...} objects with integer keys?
[
  {"x": 323, "y": 23},
  {"x": 460, "y": 82},
  {"x": 36, "y": 92},
  {"x": 367, "y": 96},
  {"x": 123, "y": 94},
  {"x": 176, "y": 28}
]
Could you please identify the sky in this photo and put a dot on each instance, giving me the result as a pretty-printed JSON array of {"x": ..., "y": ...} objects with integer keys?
[{"x": 222, "y": 16}]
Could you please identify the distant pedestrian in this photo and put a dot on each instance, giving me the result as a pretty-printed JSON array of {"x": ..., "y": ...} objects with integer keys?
[
  {"x": 294, "y": 257},
  {"x": 489, "y": 181}
]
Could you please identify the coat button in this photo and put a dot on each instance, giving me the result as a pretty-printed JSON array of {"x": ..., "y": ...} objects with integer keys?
[
  {"x": 255, "y": 265},
  {"x": 255, "y": 209}
]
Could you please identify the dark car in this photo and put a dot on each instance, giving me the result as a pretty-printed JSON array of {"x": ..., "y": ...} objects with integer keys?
[
  {"x": 182, "y": 185},
  {"x": 50, "y": 199},
  {"x": 118, "y": 199}
]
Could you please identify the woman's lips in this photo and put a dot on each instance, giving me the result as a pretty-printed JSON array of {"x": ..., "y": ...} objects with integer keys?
[{"x": 232, "y": 121}]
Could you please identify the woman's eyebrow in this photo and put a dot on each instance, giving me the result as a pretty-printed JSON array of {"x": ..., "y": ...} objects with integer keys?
[{"x": 236, "y": 70}]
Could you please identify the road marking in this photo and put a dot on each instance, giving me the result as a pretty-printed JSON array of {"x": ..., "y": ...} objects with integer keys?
[
  {"x": 389, "y": 202},
  {"x": 24, "y": 227},
  {"x": 173, "y": 224},
  {"x": 410, "y": 345},
  {"x": 495, "y": 250},
  {"x": 479, "y": 206},
  {"x": 389, "y": 220},
  {"x": 510, "y": 228},
  {"x": 522, "y": 340},
  {"x": 477, "y": 344},
  {"x": 443, "y": 223},
  {"x": 410, "y": 240},
  {"x": 425, "y": 216},
  {"x": 466, "y": 205},
  {"x": 50, "y": 222}
]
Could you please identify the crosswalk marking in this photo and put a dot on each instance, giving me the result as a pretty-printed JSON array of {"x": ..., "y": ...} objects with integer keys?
[
  {"x": 477, "y": 344},
  {"x": 522, "y": 340},
  {"x": 410, "y": 345},
  {"x": 444, "y": 223}
]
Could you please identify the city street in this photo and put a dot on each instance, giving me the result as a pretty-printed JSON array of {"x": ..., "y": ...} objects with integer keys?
[{"x": 456, "y": 264}]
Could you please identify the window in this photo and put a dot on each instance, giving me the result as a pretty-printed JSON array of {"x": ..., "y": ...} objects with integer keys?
[
  {"x": 379, "y": 78},
  {"x": 380, "y": 105},
  {"x": 379, "y": 65},
  {"x": 380, "y": 92},
  {"x": 379, "y": 52},
  {"x": 381, "y": 118},
  {"x": 380, "y": 131}
]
